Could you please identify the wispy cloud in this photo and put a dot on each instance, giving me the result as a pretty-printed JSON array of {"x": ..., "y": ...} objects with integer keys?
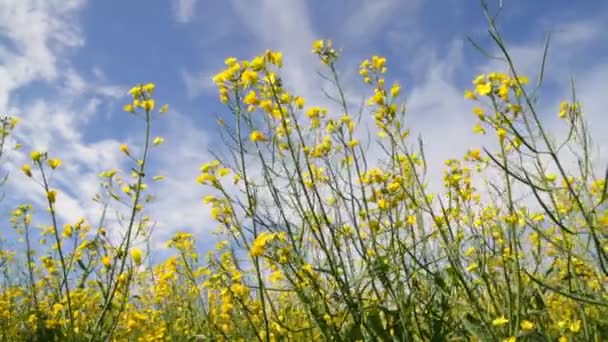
[
  {"x": 184, "y": 10},
  {"x": 36, "y": 32},
  {"x": 197, "y": 83},
  {"x": 37, "y": 37}
]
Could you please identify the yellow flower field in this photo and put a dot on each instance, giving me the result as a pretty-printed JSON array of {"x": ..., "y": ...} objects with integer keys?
[{"x": 321, "y": 240}]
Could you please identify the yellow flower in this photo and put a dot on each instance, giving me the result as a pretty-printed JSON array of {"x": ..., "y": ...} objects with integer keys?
[
  {"x": 502, "y": 134},
  {"x": 276, "y": 276},
  {"x": 395, "y": 90},
  {"x": 575, "y": 326},
  {"x": 502, "y": 320},
  {"x": 136, "y": 254},
  {"x": 129, "y": 108},
  {"x": 36, "y": 155},
  {"x": 383, "y": 204},
  {"x": 484, "y": 88},
  {"x": 251, "y": 98},
  {"x": 256, "y": 136},
  {"x": 469, "y": 95},
  {"x": 378, "y": 62},
  {"x": 27, "y": 169},
  {"x": 257, "y": 63},
  {"x": 564, "y": 107},
  {"x": 411, "y": 220},
  {"x": 275, "y": 58},
  {"x": 158, "y": 140},
  {"x": 135, "y": 91},
  {"x": 54, "y": 163},
  {"x": 52, "y": 195},
  {"x": 478, "y": 129},
  {"x": 67, "y": 230},
  {"x": 317, "y": 46},
  {"x": 510, "y": 339},
  {"x": 164, "y": 108},
  {"x": 249, "y": 78},
  {"x": 230, "y": 61},
  {"x": 479, "y": 112},
  {"x": 479, "y": 79},
  {"x": 299, "y": 101},
  {"x": 106, "y": 261},
  {"x": 475, "y": 154},
  {"x": 148, "y": 105},
  {"x": 149, "y": 88},
  {"x": 239, "y": 290},
  {"x": 124, "y": 148},
  {"x": 527, "y": 325},
  {"x": 108, "y": 174},
  {"x": 224, "y": 98},
  {"x": 259, "y": 244}
]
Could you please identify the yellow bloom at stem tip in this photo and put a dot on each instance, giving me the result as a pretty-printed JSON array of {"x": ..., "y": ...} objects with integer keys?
[
  {"x": 484, "y": 88},
  {"x": 106, "y": 261},
  {"x": 54, "y": 163},
  {"x": 317, "y": 46},
  {"x": 502, "y": 320},
  {"x": 129, "y": 108},
  {"x": 502, "y": 134},
  {"x": 124, "y": 148},
  {"x": 136, "y": 254},
  {"x": 36, "y": 156},
  {"x": 27, "y": 169},
  {"x": 395, "y": 90},
  {"x": 575, "y": 326},
  {"x": 258, "y": 247},
  {"x": 469, "y": 95},
  {"x": 256, "y": 136},
  {"x": 158, "y": 140},
  {"x": 527, "y": 325}
]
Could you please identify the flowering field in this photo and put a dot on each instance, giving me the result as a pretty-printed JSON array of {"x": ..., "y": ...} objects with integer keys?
[{"x": 322, "y": 240}]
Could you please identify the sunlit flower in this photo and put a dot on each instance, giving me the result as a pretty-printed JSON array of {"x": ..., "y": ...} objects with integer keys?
[
  {"x": 36, "y": 155},
  {"x": 27, "y": 169},
  {"x": 125, "y": 149},
  {"x": 51, "y": 195},
  {"x": 136, "y": 254},
  {"x": 158, "y": 140},
  {"x": 257, "y": 136},
  {"x": 54, "y": 163},
  {"x": 526, "y": 325},
  {"x": 502, "y": 320}
]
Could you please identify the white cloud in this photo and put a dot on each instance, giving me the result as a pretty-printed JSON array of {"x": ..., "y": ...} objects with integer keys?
[
  {"x": 36, "y": 30},
  {"x": 198, "y": 83},
  {"x": 184, "y": 10},
  {"x": 364, "y": 20},
  {"x": 37, "y": 35}
]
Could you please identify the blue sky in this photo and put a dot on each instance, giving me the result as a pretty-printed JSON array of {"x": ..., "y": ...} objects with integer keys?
[{"x": 66, "y": 65}]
